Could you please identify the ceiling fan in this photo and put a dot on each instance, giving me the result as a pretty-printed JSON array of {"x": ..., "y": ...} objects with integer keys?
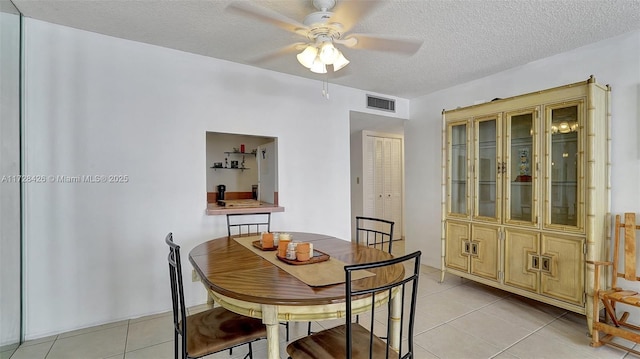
[{"x": 326, "y": 28}]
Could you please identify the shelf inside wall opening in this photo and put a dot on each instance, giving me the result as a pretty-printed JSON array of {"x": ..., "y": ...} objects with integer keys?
[{"x": 244, "y": 166}]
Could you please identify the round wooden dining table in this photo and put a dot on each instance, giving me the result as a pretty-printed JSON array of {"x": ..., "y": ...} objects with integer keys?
[{"x": 246, "y": 283}]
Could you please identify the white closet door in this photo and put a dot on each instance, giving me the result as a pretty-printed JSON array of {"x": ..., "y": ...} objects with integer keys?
[{"x": 382, "y": 180}]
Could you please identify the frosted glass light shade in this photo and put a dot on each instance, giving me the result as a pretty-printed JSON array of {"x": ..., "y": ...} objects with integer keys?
[
  {"x": 340, "y": 62},
  {"x": 307, "y": 56},
  {"x": 318, "y": 66},
  {"x": 328, "y": 53}
]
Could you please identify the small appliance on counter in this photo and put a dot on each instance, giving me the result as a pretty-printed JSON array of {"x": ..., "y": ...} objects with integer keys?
[{"x": 221, "y": 189}]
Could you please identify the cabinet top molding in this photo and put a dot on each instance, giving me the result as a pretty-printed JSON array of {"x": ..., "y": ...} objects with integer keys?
[{"x": 508, "y": 103}]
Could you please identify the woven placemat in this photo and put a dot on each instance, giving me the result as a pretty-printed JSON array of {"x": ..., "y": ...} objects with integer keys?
[{"x": 316, "y": 274}]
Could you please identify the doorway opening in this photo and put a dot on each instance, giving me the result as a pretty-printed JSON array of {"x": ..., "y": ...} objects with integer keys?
[{"x": 377, "y": 169}]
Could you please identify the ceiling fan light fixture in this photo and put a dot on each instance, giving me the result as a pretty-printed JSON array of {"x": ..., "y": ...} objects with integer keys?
[
  {"x": 308, "y": 56},
  {"x": 318, "y": 66},
  {"x": 340, "y": 62},
  {"x": 328, "y": 53}
]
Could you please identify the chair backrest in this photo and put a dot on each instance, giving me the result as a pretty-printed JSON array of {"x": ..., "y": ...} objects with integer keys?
[
  {"x": 248, "y": 224},
  {"x": 177, "y": 290},
  {"x": 374, "y": 232},
  {"x": 402, "y": 315},
  {"x": 626, "y": 270}
]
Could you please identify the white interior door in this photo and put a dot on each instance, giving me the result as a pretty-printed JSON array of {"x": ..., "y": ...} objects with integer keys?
[
  {"x": 267, "y": 179},
  {"x": 382, "y": 180}
]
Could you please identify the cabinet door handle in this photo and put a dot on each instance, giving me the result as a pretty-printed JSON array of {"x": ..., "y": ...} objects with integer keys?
[
  {"x": 474, "y": 249},
  {"x": 466, "y": 247},
  {"x": 546, "y": 264},
  {"x": 535, "y": 262}
]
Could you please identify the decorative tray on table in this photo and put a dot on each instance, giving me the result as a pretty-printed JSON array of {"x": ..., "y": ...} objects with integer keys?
[
  {"x": 318, "y": 256},
  {"x": 258, "y": 245}
]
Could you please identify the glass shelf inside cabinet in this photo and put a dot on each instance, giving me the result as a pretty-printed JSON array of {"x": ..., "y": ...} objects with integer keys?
[
  {"x": 564, "y": 166},
  {"x": 458, "y": 180},
  {"x": 520, "y": 166},
  {"x": 487, "y": 169}
]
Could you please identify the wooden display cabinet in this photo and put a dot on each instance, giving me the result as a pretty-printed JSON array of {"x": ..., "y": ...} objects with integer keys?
[{"x": 526, "y": 192}]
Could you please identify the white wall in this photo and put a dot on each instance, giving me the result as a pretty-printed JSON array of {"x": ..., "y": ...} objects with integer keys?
[
  {"x": 615, "y": 61},
  {"x": 97, "y": 105},
  {"x": 10, "y": 256},
  {"x": 357, "y": 193}
]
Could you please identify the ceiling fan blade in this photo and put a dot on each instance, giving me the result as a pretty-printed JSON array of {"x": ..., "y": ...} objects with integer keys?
[
  {"x": 349, "y": 12},
  {"x": 381, "y": 43},
  {"x": 348, "y": 42},
  {"x": 266, "y": 15},
  {"x": 283, "y": 51}
]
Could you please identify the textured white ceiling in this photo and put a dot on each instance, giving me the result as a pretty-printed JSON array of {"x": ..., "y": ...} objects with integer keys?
[{"x": 463, "y": 40}]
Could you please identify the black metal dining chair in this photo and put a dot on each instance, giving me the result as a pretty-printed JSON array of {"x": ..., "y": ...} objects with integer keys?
[
  {"x": 374, "y": 232},
  {"x": 248, "y": 224},
  {"x": 207, "y": 332},
  {"x": 353, "y": 340}
]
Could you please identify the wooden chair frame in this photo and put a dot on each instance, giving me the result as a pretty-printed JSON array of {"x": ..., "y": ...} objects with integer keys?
[{"x": 614, "y": 325}]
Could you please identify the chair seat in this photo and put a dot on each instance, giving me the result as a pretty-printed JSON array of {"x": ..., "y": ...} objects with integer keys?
[
  {"x": 622, "y": 296},
  {"x": 330, "y": 344},
  {"x": 218, "y": 329}
]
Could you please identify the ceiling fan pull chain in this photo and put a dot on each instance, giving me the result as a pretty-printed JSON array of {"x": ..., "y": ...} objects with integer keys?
[{"x": 325, "y": 87}]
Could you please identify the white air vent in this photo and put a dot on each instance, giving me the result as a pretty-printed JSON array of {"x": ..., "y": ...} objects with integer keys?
[{"x": 380, "y": 103}]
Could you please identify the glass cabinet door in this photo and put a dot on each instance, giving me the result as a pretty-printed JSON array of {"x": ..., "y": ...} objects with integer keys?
[
  {"x": 458, "y": 175},
  {"x": 520, "y": 172},
  {"x": 488, "y": 166},
  {"x": 563, "y": 153}
]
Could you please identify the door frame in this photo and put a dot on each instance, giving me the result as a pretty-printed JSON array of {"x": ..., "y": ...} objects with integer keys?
[{"x": 399, "y": 230}]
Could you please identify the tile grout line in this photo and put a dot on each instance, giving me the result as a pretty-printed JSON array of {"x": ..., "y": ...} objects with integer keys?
[
  {"x": 530, "y": 334},
  {"x": 126, "y": 340},
  {"x": 480, "y": 308},
  {"x": 461, "y": 315},
  {"x": 51, "y": 347}
]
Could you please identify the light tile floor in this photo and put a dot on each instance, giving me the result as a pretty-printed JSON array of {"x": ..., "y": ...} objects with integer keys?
[{"x": 455, "y": 319}]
